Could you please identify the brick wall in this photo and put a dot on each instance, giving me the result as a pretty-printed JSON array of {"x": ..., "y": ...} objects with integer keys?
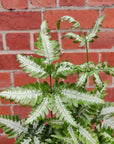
[{"x": 19, "y": 25}]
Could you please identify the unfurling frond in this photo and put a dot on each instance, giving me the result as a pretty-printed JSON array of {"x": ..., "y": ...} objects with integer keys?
[
  {"x": 84, "y": 97},
  {"x": 69, "y": 19},
  {"x": 95, "y": 29},
  {"x": 64, "y": 113},
  {"x": 24, "y": 95},
  {"x": 12, "y": 125},
  {"x": 38, "y": 111},
  {"x": 47, "y": 48},
  {"x": 30, "y": 66}
]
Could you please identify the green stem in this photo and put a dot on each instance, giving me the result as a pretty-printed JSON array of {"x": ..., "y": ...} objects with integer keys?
[
  {"x": 51, "y": 91},
  {"x": 87, "y": 52}
]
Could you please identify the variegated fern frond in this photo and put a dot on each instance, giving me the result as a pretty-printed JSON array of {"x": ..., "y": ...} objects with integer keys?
[
  {"x": 81, "y": 96},
  {"x": 30, "y": 66},
  {"x": 62, "y": 112},
  {"x": 108, "y": 123},
  {"x": 95, "y": 29},
  {"x": 47, "y": 48},
  {"x": 77, "y": 38},
  {"x": 22, "y": 94},
  {"x": 12, "y": 125},
  {"x": 38, "y": 111},
  {"x": 88, "y": 135}
]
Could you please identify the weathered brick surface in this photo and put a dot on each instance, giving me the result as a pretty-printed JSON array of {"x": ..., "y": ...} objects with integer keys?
[
  {"x": 14, "y": 4},
  {"x": 22, "y": 41},
  {"x": 5, "y": 110},
  {"x": 5, "y": 80},
  {"x": 19, "y": 20},
  {"x": 109, "y": 19},
  {"x": 72, "y": 2},
  {"x": 100, "y": 2},
  {"x": 1, "y": 42},
  {"x": 22, "y": 111},
  {"x": 8, "y": 62},
  {"x": 44, "y": 3}
]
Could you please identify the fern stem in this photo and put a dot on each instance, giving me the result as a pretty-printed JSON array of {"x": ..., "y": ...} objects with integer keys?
[
  {"x": 51, "y": 91},
  {"x": 87, "y": 52}
]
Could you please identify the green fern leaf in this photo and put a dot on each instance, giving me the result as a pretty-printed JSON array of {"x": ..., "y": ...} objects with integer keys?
[
  {"x": 65, "y": 139},
  {"x": 36, "y": 140},
  {"x": 87, "y": 135},
  {"x": 95, "y": 29},
  {"x": 63, "y": 111},
  {"x": 82, "y": 80},
  {"x": 98, "y": 80},
  {"x": 24, "y": 95},
  {"x": 69, "y": 19},
  {"x": 30, "y": 66},
  {"x": 12, "y": 125},
  {"x": 84, "y": 97},
  {"x": 38, "y": 111},
  {"x": 47, "y": 48},
  {"x": 71, "y": 132},
  {"x": 107, "y": 110},
  {"x": 108, "y": 123},
  {"x": 26, "y": 141},
  {"x": 76, "y": 37}
]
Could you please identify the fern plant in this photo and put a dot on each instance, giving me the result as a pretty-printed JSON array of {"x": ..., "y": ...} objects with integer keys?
[{"x": 76, "y": 108}]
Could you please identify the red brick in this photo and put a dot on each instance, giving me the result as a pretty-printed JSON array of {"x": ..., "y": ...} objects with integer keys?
[
  {"x": 8, "y": 62},
  {"x": 5, "y": 80},
  {"x": 85, "y": 17},
  {"x": 109, "y": 57},
  {"x": 72, "y": 2},
  {"x": 110, "y": 95},
  {"x": 79, "y": 58},
  {"x": 54, "y": 36},
  {"x": 20, "y": 20},
  {"x": 104, "y": 78},
  {"x": 1, "y": 43},
  {"x": 68, "y": 43},
  {"x": 71, "y": 78},
  {"x": 5, "y": 140},
  {"x": 100, "y": 2},
  {"x": 1, "y": 131},
  {"x": 109, "y": 19},
  {"x": 21, "y": 78},
  {"x": 14, "y": 4},
  {"x": 5, "y": 110},
  {"x": 44, "y": 3},
  {"x": 105, "y": 40},
  {"x": 23, "y": 112},
  {"x": 18, "y": 41}
]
